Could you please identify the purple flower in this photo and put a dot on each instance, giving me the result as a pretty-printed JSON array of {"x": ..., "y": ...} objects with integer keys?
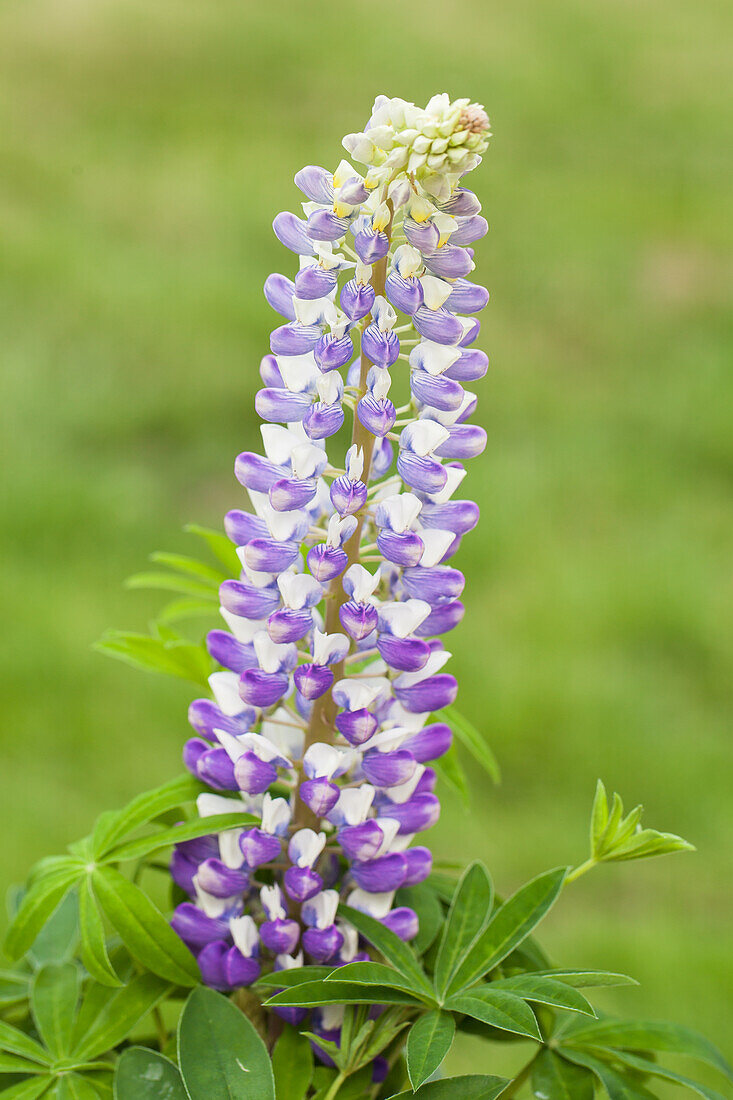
[{"x": 322, "y": 740}]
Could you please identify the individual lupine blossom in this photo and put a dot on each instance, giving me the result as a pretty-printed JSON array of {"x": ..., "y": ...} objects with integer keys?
[{"x": 332, "y": 661}]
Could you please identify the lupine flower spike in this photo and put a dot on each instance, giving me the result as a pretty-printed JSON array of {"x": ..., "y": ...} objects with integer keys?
[{"x": 333, "y": 658}]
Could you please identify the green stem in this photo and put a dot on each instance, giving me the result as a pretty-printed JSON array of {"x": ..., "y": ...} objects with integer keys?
[
  {"x": 333, "y": 1091},
  {"x": 581, "y": 869},
  {"x": 160, "y": 1027},
  {"x": 521, "y": 1077}
]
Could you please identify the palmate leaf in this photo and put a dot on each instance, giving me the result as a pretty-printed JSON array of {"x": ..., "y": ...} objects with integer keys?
[
  {"x": 189, "y": 830},
  {"x": 13, "y": 1063},
  {"x": 371, "y": 973},
  {"x": 27, "y": 1090},
  {"x": 583, "y": 979},
  {"x": 174, "y": 582},
  {"x": 14, "y": 1041},
  {"x": 120, "y": 1014},
  {"x": 72, "y": 1086},
  {"x": 394, "y": 950},
  {"x": 616, "y": 838},
  {"x": 180, "y": 658},
  {"x": 469, "y": 1087},
  {"x": 424, "y": 901},
  {"x": 221, "y": 1055},
  {"x": 292, "y": 1065},
  {"x": 547, "y": 991},
  {"x": 555, "y": 1079},
  {"x": 471, "y": 739},
  {"x": 220, "y": 546},
  {"x": 502, "y": 1010},
  {"x": 429, "y": 1040},
  {"x": 450, "y": 772},
  {"x": 510, "y": 924},
  {"x": 312, "y": 994},
  {"x": 186, "y": 608},
  {"x": 646, "y": 1065},
  {"x": 143, "y": 928},
  {"x": 60, "y": 934},
  {"x": 299, "y": 975},
  {"x": 14, "y": 987},
  {"x": 144, "y": 1074},
  {"x": 468, "y": 916},
  {"x": 443, "y": 885},
  {"x": 181, "y": 563},
  {"x": 54, "y": 996},
  {"x": 38, "y": 904},
  {"x": 616, "y": 1084},
  {"x": 638, "y": 1035},
  {"x": 93, "y": 942},
  {"x": 113, "y": 826}
]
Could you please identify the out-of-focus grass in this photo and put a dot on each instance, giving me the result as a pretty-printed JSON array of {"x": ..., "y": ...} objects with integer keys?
[{"x": 145, "y": 150}]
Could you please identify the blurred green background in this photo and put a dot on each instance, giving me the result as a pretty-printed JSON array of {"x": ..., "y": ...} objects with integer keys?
[{"x": 145, "y": 149}]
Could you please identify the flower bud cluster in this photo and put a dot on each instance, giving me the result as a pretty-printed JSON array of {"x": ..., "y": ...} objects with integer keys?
[{"x": 322, "y": 716}]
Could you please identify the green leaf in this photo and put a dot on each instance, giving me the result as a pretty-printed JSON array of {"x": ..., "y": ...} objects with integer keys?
[
  {"x": 14, "y": 987},
  {"x": 394, "y": 950},
  {"x": 181, "y": 563},
  {"x": 449, "y": 770},
  {"x": 472, "y": 740},
  {"x": 598, "y": 819},
  {"x": 546, "y": 991},
  {"x": 648, "y": 1035},
  {"x": 469, "y": 1087},
  {"x": 143, "y": 928},
  {"x": 27, "y": 1090},
  {"x": 111, "y": 828},
  {"x": 429, "y": 1040},
  {"x": 615, "y": 838},
  {"x": 186, "y": 608},
  {"x": 501, "y": 1010},
  {"x": 220, "y": 547},
  {"x": 509, "y": 926},
  {"x": 186, "y": 660},
  {"x": 647, "y": 843},
  {"x": 299, "y": 975},
  {"x": 189, "y": 830},
  {"x": 93, "y": 942},
  {"x": 292, "y": 1066},
  {"x": 371, "y": 973},
  {"x": 122, "y": 1011},
  {"x": 173, "y": 582},
  {"x": 617, "y": 1086},
  {"x": 93, "y": 1004},
  {"x": 580, "y": 979},
  {"x": 13, "y": 1063},
  {"x": 468, "y": 916},
  {"x": 37, "y": 906},
  {"x": 59, "y": 936},
  {"x": 311, "y": 994},
  {"x": 72, "y": 1086},
  {"x": 103, "y": 1084},
  {"x": 221, "y": 1055},
  {"x": 443, "y": 885},
  {"x": 356, "y": 1087},
  {"x": 54, "y": 996},
  {"x": 143, "y": 1074},
  {"x": 646, "y": 1065},
  {"x": 424, "y": 900},
  {"x": 17, "y": 1042},
  {"x": 555, "y": 1079}
]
